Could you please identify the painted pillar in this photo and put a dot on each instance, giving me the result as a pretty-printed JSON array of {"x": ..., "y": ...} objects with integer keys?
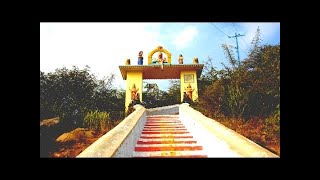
[
  {"x": 133, "y": 78},
  {"x": 189, "y": 78}
]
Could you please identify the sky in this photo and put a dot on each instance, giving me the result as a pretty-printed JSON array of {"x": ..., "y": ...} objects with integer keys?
[{"x": 106, "y": 46}]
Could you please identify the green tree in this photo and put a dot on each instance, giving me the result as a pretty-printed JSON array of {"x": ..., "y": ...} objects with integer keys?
[
  {"x": 70, "y": 94},
  {"x": 243, "y": 89},
  {"x": 174, "y": 96},
  {"x": 264, "y": 71}
]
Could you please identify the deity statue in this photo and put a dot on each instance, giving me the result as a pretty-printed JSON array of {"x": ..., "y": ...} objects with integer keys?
[
  {"x": 128, "y": 62},
  {"x": 186, "y": 98},
  {"x": 134, "y": 92},
  {"x": 137, "y": 98},
  {"x": 195, "y": 61},
  {"x": 160, "y": 57},
  {"x": 161, "y": 60},
  {"x": 140, "y": 58},
  {"x": 189, "y": 91},
  {"x": 180, "y": 60}
]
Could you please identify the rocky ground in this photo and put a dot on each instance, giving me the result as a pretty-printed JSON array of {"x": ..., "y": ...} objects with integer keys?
[{"x": 73, "y": 143}]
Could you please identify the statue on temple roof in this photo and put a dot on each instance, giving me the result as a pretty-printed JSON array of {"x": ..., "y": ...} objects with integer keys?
[
  {"x": 161, "y": 58},
  {"x": 128, "y": 62},
  {"x": 180, "y": 60},
  {"x": 140, "y": 58},
  {"x": 195, "y": 61}
]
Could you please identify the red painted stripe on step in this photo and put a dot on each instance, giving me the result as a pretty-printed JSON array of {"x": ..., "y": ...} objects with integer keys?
[
  {"x": 164, "y": 132},
  {"x": 163, "y": 122},
  {"x": 166, "y": 120},
  {"x": 148, "y": 129},
  {"x": 162, "y": 117},
  {"x": 186, "y": 156},
  {"x": 159, "y": 137},
  {"x": 177, "y": 148},
  {"x": 166, "y": 142},
  {"x": 163, "y": 126},
  {"x": 166, "y": 127}
]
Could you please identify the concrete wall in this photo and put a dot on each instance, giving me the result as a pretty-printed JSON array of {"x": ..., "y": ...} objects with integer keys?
[
  {"x": 218, "y": 140},
  {"x": 121, "y": 140},
  {"x": 167, "y": 110}
]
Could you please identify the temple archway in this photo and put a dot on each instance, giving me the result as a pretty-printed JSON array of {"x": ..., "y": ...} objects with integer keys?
[
  {"x": 159, "y": 49},
  {"x": 135, "y": 74}
]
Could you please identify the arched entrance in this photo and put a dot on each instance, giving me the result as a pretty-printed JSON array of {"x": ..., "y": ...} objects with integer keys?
[{"x": 160, "y": 68}]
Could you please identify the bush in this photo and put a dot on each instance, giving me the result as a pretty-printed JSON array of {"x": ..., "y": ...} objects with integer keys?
[
  {"x": 273, "y": 123},
  {"x": 98, "y": 121}
]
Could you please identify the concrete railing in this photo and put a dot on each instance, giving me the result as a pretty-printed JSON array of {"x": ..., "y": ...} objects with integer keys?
[
  {"x": 218, "y": 140},
  {"x": 166, "y": 110},
  {"x": 121, "y": 140}
]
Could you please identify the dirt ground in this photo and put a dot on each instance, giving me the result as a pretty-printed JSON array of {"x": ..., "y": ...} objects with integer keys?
[{"x": 71, "y": 149}]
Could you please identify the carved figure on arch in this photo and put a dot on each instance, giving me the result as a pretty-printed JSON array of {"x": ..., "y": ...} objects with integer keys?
[
  {"x": 133, "y": 91},
  {"x": 189, "y": 91}
]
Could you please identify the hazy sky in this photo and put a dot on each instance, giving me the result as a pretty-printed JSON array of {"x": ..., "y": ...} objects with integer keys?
[{"x": 105, "y": 46}]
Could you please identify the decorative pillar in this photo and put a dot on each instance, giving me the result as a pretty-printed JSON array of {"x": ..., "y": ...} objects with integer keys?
[
  {"x": 189, "y": 84},
  {"x": 133, "y": 79}
]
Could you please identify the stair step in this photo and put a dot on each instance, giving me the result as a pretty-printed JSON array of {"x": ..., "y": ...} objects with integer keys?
[{"x": 166, "y": 142}]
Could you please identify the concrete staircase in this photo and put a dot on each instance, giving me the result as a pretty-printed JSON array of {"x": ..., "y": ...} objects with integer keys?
[
  {"x": 166, "y": 136},
  {"x": 160, "y": 133}
]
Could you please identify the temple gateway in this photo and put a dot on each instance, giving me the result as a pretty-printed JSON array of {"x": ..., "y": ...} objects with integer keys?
[{"x": 160, "y": 68}]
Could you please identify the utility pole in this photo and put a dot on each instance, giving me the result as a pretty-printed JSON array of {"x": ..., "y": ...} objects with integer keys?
[{"x": 236, "y": 36}]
